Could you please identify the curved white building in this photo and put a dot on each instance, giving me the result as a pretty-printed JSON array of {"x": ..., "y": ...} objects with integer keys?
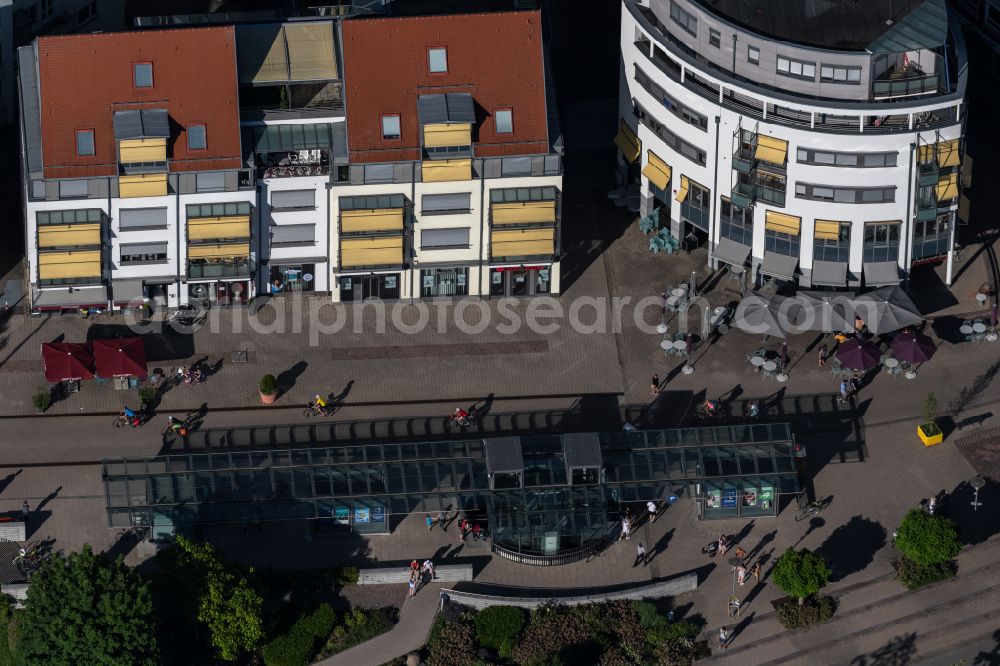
[{"x": 818, "y": 143}]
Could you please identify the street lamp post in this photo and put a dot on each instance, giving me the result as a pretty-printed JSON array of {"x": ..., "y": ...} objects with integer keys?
[{"x": 977, "y": 483}]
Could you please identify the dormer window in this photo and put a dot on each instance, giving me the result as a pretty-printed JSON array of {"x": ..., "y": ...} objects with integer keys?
[
  {"x": 390, "y": 127},
  {"x": 437, "y": 60},
  {"x": 196, "y": 137},
  {"x": 85, "y": 143},
  {"x": 504, "y": 120},
  {"x": 142, "y": 74}
]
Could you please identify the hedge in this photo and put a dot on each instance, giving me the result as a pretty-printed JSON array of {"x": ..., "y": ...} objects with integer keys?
[{"x": 303, "y": 640}]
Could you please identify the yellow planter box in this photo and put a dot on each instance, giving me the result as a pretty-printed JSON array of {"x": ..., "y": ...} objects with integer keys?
[{"x": 932, "y": 439}]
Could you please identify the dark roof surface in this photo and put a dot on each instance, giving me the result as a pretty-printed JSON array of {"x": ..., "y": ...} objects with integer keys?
[
  {"x": 835, "y": 24},
  {"x": 141, "y": 124},
  {"x": 494, "y": 57},
  {"x": 446, "y": 108},
  {"x": 84, "y": 79}
]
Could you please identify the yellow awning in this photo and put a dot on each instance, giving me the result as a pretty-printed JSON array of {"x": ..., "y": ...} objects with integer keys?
[
  {"x": 208, "y": 228},
  {"x": 133, "y": 151},
  {"x": 827, "y": 230},
  {"x": 311, "y": 54},
  {"x": 436, "y": 171},
  {"x": 947, "y": 153},
  {"x": 925, "y": 153},
  {"x": 261, "y": 53},
  {"x": 947, "y": 187},
  {"x": 145, "y": 185},
  {"x": 771, "y": 150},
  {"x": 68, "y": 235},
  {"x": 683, "y": 191},
  {"x": 527, "y": 211},
  {"x": 447, "y": 135},
  {"x": 782, "y": 222},
  {"x": 523, "y": 242},
  {"x": 374, "y": 219},
  {"x": 219, "y": 251},
  {"x": 57, "y": 265},
  {"x": 378, "y": 251},
  {"x": 628, "y": 143},
  {"x": 657, "y": 171}
]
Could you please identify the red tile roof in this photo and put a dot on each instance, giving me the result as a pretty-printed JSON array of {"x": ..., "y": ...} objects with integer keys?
[
  {"x": 84, "y": 79},
  {"x": 495, "y": 56}
]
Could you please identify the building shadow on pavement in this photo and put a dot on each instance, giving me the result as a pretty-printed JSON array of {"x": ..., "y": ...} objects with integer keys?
[
  {"x": 852, "y": 546},
  {"x": 898, "y": 651},
  {"x": 286, "y": 379}
]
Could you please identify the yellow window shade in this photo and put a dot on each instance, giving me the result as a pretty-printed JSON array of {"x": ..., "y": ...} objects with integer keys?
[
  {"x": 56, "y": 265},
  {"x": 310, "y": 51},
  {"x": 628, "y": 143},
  {"x": 827, "y": 230},
  {"x": 657, "y": 171},
  {"x": 528, "y": 211},
  {"x": 947, "y": 153},
  {"x": 207, "y": 228},
  {"x": 67, "y": 235},
  {"x": 771, "y": 150},
  {"x": 445, "y": 135},
  {"x": 782, "y": 222},
  {"x": 145, "y": 185},
  {"x": 377, "y": 219},
  {"x": 133, "y": 151},
  {"x": 219, "y": 251},
  {"x": 380, "y": 251},
  {"x": 683, "y": 191},
  {"x": 436, "y": 171},
  {"x": 947, "y": 187},
  {"x": 925, "y": 153},
  {"x": 266, "y": 58},
  {"x": 522, "y": 242}
]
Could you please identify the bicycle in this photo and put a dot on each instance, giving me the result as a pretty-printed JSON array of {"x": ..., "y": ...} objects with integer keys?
[
  {"x": 122, "y": 420},
  {"x": 177, "y": 427},
  {"x": 315, "y": 410},
  {"x": 811, "y": 509},
  {"x": 461, "y": 421},
  {"x": 137, "y": 532}
]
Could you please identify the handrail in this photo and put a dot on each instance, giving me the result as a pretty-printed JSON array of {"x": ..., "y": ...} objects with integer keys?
[{"x": 538, "y": 559}]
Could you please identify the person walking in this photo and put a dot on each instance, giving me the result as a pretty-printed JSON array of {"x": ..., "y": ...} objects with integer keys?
[
  {"x": 651, "y": 509},
  {"x": 476, "y": 529},
  {"x": 654, "y": 385},
  {"x": 413, "y": 584},
  {"x": 463, "y": 525},
  {"x": 854, "y": 384},
  {"x": 626, "y": 530},
  {"x": 741, "y": 574},
  {"x": 822, "y": 355},
  {"x": 723, "y": 638},
  {"x": 740, "y": 553},
  {"x": 723, "y": 544},
  {"x": 429, "y": 521},
  {"x": 428, "y": 568},
  {"x": 755, "y": 572},
  {"x": 414, "y": 567},
  {"x": 640, "y": 556},
  {"x": 844, "y": 391},
  {"x": 442, "y": 519},
  {"x": 25, "y": 510}
]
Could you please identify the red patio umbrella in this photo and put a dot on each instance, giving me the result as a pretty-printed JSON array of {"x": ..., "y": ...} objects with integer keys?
[
  {"x": 120, "y": 358},
  {"x": 858, "y": 355},
  {"x": 67, "y": 361}
]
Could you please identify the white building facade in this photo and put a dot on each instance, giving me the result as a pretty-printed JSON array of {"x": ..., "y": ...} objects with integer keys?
[{"x": 803, "y": 163}]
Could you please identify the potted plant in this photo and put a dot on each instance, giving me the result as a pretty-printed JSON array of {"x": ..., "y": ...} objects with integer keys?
[
  {"x": 928, "y": 431},
  {"x": 268, "y": 389},
  {"x": 42, "y": 400}
]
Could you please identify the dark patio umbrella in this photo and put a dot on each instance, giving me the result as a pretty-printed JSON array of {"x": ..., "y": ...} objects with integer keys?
[
  {"x": 913, "y": 347},
  {"x": 120, "y": 358},
  {"x": 66, "y": 361},
  {"x": 886, "y": 310},
  {"x": 776, "y": 315},
  {"x": 825, "y": 311},
  {"x": 858, "y": 355}
]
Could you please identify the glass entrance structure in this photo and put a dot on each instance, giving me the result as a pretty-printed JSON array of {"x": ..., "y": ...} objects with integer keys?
[{"x": 547, "y": 499}]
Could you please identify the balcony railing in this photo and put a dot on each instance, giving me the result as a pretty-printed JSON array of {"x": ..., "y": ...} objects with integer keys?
[
  {"x": 916, "y": 85},
  {"x": 931, "y": 246},
  {"x": 293, "y": 170}
]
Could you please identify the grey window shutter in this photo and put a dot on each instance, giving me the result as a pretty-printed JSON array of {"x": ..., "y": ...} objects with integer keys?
[
  {"x": 293, "y": 199},
  {"x": 73, "y": 188},
  {"x": 52, "y": 189},
  {"x": 144, "y": 248},
  {"x": 378, "y": 173},
  {"x": 491, "y": 168},
  {"x": 211, "y": 181},
  {"x": 357, "y": 174},
  {"x": 141, "y": 218},
  {"x": 293, "y": 233},
  {"x": 444, "y": 237},
  {"x": 432, "y": 203},
  {"x": 402, "y": 172},
  {"x": 538, "y": 165},
  {"x": 552, "y": 165},
  {"x": 516, "y": 166},
  {"x": 232, "y": 181},
  {"x": 187, "y": 184}
]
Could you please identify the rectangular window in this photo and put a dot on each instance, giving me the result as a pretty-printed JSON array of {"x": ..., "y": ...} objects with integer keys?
[
  {"x": 211, "y": 181},
  {"x": 44, "y": 217},
  {"x": 371, "y": 202},
  {"x": 378, "y": 173},
  {"x": 132, "y": 219},
  {"x": 504, "y": 121},
  {"x": 515, "y": 166},
  {"x": 142, "y": 74},
  {"x": 72, "y": 189},
  {"x": 840, "y": 74},
  {"x": 714, "y": 37},
  {"x": 685, "y": 20},
  {"x": 444, "y": 282},
  {"x": 445, "y": 204},
  {"x": 219, "y": 209},
  {"x": 293, "y": 234},
  {"x": 686, "y": 149},
  {"x": 832, "y": 241},
  {"x": 684, "y": 113},
  {"x": 444, "y": 238},
  {"x": 390, "y": 127},
  {"x": 437, "y": 60},
  {"x": 144, "y": 253},
  {"x": 196, "y": 137},
  {"x": 513, "y": 194},
  {"x": 85, "y": 143},
  {"x": 851, "y": 195},
  {"x": 796, "y": 68},
  {"x": 831, "y": 158},
  {"x": 753, "y": 55},
  {"x": 293, "y": 199}
]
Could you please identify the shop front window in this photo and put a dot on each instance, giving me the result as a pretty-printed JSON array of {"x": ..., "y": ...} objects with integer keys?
[
  {"x": 292, "y": 279},
  {"x": 444, "y": 282},
  {"x": 365, "y": 287},
  {"x": 520, "y": 281}
]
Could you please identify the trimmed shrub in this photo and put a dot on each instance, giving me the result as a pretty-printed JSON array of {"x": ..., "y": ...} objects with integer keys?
[
  {"x": 360, "y": 626},
  {"x": 927, "y": 539},
  {"x": 300, "y": 644},
  {"x": 268, "y": 385},
  {"x": 792, "y": 615},
  {"x": 147, "y": 394},
  {"x": 498, "y": 627},
  {"x": 800, "y": 573},
  {"x": 913, "y": 575},
  {"x": 453, "y": 645},
  {"x": 42, "y": 400},
  {"x": 346, "y": 576}
]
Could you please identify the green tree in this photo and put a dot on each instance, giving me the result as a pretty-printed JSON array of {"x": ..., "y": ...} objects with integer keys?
[
  {"x": 927, "y": 539},
  {"x": 87, "y": 609},
  {"x": 800, "y": 573}
]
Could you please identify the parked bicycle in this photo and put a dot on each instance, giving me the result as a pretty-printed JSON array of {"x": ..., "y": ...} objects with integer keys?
[
  {"x": 812, "y": 509},
  {"x": 30, "y": 558},
  {"x": 461, "y": 418}
]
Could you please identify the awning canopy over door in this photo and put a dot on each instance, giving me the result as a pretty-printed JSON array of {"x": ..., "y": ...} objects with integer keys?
[
  {"x": 527, "y": 211},
  {"x": 771, "y": 150},
  {"x": 378, "y": 251},
  {"x": 947, "y": 187},
  {"x": 782, "y": 223},
  {"x": 657, "y": 171},
  {"x": 376, "y": 219},
  {"x": 126, "y": 291},
  {"x": 69, "y": 235},
  {"x": 731, "y": 252},
  {"x": 522, "y": 242},
  {"x": 881, "y": 273},
  {"x": 143, "y": 185},
  {"x": 779, "y": 265},
  {"x": 829, "y": 273},
  {"x": 628, "y": 143},
  {"x": 447, "y": 135},
  {"x": 210, "y": 228},
  {"x": 436, "y": 171},
  {"x": 219, "y": 251},
  {"x": 69, "y": 297},
  {"x": 134, "y": 151},
  {"x": 58, "y": 265},
  {"x": 827, "y": 230},
  {"x": 682, "y": 191},
  {"x": 947, "y": 153}
]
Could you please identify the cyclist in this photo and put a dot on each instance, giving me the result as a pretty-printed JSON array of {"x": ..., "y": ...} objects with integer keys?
[
  {"x": 134, "y": 418},
  {"x": 176, "y": 425},
  {"x": 320, "y": 404},
  {"x": 198, "y": 375},
  {"x": 708, "y": 408},
  {"x": 460, "y": 416}
]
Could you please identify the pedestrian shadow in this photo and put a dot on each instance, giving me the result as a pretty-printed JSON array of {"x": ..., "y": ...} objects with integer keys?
[
  {"x": 764, "y": 540},
  {"x": 342, "y": 396},
  {"x": 742, "y": 534},
  {"x": 661, "y": 544},
  {"x": 482, "y": 407},
  {"x": 9, "y": 479},
  {"x": 286, "y": 379},
  {"x": 48, "y": 498},
  {"x": 991, "y": 658},
  {"x": 741, "y": 626},
  {"x": 852, "y": 546},
  {"x": 814, "y": 524}
]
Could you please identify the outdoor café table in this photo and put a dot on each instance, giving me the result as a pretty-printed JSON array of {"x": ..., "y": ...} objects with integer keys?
[
  {"x": 979, "y": 327},
  {"x": 891, "y": 363},
  {"x": 680, "y": 345},
  {"x": 965, "y": 329},
  {"x": 679, "y": 292},
  {"x": 769, "y": 366},
  {"x": 757, "y": 361},
  {"x": 666, "y": 344},
  {"x": 672, "y": 300}
]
